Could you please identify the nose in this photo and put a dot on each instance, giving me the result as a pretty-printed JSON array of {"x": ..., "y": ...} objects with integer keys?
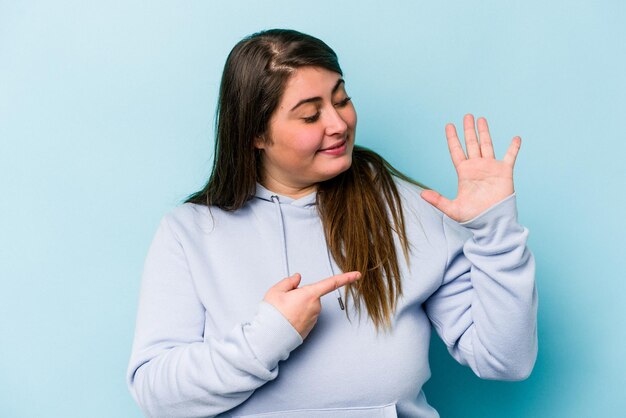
[{"x": 335, "y": 124}]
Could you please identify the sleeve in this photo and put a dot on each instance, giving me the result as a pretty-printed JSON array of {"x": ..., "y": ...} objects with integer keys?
[
  {"x": 485, "y": 311},
  {"x": 177, "y": 371}
]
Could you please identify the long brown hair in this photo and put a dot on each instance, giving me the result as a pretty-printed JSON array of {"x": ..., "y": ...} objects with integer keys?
[{"x": 361, "y": 238}]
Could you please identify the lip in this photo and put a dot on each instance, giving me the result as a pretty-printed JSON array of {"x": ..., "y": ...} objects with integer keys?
[{"x": 337, "y": 149}]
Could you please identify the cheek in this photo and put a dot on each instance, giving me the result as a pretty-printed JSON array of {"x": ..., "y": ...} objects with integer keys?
[
  {"x": 349, "y": 117},
  {"x": 306, "y": 143}
]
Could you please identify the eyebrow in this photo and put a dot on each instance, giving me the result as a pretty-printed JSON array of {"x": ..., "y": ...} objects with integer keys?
[{"x": 317, "y": 98}]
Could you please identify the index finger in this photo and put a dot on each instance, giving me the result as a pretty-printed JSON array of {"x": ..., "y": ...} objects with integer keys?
[{"x": 329, "y": 284}]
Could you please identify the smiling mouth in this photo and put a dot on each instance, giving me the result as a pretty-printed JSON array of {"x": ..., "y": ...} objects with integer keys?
[{"x": 339, "y": 145}]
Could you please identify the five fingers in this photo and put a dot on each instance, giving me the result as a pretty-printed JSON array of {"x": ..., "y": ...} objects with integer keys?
[{"x": 476, "y": 145}]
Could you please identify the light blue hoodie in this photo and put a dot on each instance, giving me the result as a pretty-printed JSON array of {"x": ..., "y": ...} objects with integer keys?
[{"x": 207, "y": 345}]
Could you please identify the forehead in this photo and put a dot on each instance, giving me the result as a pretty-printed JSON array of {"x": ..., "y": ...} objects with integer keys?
[{"x": 308, "y": 82}]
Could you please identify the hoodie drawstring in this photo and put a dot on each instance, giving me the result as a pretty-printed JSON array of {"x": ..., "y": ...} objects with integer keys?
[
  {"x": 283, "y": 239},
  {"x": 332, "y": 273}
]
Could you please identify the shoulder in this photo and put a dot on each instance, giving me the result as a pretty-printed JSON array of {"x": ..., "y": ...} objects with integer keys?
[
  {"x": 420, "y": 216},
  {"x": 410, "y": 195},
  {"x": 430, "y": 220},
  {"x": 407, "y": 188},
  {"x": 188, "y": 218},
  {"x": 197, "y": 220}
]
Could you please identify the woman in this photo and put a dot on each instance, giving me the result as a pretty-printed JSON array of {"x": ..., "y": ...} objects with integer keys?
[{"x": 291, "y": 196}]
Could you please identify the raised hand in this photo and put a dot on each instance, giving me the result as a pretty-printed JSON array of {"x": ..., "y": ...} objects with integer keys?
[
  {"x": 483, "y": 180},
  {"x": 301, "y": 305}
]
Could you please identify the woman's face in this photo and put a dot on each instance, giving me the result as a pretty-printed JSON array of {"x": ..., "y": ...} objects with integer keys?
[{"x": 310, "y": 135}]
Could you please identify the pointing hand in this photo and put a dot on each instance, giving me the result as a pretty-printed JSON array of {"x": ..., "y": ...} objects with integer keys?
[{"x": 301, "y": 305}]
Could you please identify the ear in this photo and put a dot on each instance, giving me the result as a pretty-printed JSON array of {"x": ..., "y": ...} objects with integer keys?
[{"x": 259, "y": 142}]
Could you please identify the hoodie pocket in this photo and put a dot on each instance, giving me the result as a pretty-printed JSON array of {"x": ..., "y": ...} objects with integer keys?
[{"x": 385, "y": 411}]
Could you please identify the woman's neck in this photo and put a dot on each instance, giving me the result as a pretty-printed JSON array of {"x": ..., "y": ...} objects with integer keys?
[{"x": 284, "y": 188}]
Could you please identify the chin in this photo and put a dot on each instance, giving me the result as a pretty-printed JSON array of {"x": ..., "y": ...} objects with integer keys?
[
  {"x": 347, "y": 164},
  {"x": 341, "y": 166}
]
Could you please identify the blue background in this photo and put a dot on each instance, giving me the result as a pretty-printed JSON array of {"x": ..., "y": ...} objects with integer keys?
[{"x": 106, "y": 123}]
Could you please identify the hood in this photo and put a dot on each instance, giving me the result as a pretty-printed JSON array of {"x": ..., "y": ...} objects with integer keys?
[{"x": 265, "y": 194}]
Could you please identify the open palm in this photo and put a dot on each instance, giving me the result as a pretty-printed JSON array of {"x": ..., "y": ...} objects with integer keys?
[{"x": 483, "y": 180}]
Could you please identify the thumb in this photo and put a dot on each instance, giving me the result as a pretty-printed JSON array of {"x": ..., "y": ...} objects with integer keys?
[
  {"x": 288, "y": 283},
  {"x": 437, "y": 201}
]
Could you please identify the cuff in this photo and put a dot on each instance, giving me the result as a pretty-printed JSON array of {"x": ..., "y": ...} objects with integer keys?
[
  {"x": 507, "y": 206},
  {"x": 494, "y": 223},
  {"x": 271, "y": 336}
]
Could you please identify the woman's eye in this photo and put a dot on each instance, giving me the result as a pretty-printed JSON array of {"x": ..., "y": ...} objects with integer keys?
[
  {"x": 344, "y": 102},
  {"x": 313, "y": 118}
]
